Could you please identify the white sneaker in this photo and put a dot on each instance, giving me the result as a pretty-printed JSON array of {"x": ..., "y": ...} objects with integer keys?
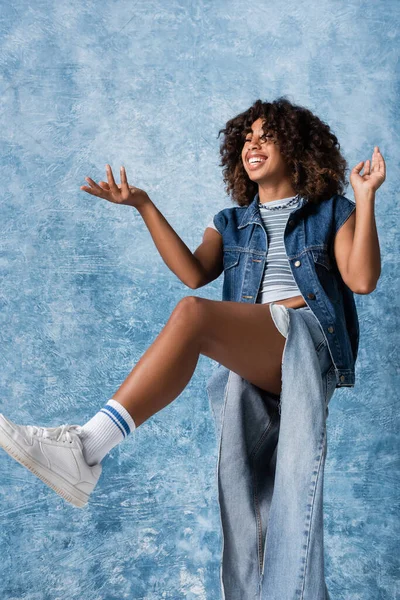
[{"x": 55, "y": 455}]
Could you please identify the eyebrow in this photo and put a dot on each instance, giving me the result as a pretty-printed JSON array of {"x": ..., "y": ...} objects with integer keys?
[{"x": 247, "y": 131}]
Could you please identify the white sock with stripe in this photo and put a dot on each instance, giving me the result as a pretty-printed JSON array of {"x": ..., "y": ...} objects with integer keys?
[{"x": 106, "y": 429}]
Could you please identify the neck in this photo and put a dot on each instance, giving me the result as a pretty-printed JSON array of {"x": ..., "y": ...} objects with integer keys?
[{"x": 268, "y": 192}]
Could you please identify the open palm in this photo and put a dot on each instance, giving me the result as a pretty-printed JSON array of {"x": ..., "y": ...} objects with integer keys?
[{"x": 118, "y": 194}]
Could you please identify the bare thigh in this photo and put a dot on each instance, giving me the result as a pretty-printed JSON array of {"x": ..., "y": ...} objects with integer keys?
[{"x": 243, "y": 338}]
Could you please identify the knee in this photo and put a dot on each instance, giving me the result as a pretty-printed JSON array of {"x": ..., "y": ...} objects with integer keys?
[{"x": 189, "y": 311}]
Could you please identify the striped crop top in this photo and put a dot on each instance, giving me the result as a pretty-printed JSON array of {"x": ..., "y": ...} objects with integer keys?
[{"x": 278, "y": 282}]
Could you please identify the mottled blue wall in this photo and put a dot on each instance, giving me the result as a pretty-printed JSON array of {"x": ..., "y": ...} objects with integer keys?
[{"x": 148, "y": 84}]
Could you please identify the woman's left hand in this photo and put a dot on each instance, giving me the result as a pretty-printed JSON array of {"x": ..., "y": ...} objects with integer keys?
[{"x": 373, "y": 177}]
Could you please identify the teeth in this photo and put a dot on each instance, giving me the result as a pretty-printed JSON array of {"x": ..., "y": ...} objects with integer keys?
[{"x": 254, "y": 160}]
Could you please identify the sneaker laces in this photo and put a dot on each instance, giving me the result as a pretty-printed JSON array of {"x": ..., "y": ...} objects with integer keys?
[{"x": 60, "y": 433}]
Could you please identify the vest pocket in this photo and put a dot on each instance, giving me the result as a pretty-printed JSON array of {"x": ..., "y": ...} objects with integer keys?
[
  {"x": 326, "y": 273},
  {"x": 230, "y": 260},
  {"x": 322, "y": 257}
]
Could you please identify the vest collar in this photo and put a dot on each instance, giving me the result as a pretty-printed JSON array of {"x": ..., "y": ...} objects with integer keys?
[{"x": 252, "y": 212}]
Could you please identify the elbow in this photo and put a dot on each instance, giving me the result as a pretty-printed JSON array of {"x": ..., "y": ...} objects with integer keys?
[
  {"x": 192, "y": 285},
  {"x": 199, "y": 282},
  {"x": 365, "y": 285},
  {"x": 364, "y": 289},
  {"x": 195, "y": 285}
]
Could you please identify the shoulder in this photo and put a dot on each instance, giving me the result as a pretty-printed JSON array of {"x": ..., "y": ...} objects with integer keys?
[
  {"x": 336, "y": 203},
  {"x": 344, "y": 203},
  {"x": 343, "y": 208},
  {"x": 336, "y": 209},
  {"x": 231, "y": 214}
]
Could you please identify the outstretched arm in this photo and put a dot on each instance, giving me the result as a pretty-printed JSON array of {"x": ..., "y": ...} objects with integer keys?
[
  {"x": 191, "y": 268},
  {"x": 194, "y": 269}
]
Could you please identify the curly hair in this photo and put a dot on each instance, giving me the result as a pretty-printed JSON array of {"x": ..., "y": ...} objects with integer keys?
[{"x": 308, "y": 146}]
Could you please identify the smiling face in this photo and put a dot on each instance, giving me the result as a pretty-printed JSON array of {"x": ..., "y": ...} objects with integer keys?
[{"x": 264, "y": 164}]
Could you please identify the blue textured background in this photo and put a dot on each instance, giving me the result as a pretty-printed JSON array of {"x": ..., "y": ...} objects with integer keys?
[{"x": 147, "y": 84}]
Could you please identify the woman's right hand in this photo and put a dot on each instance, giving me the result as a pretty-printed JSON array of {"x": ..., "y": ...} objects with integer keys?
[{"x": 118, "y": 194}]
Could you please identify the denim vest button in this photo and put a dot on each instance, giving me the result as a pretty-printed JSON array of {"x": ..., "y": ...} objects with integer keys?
[
  {"x": 292, "y": 222},
  {"x": 311, "y": 296},
  {"x": 342, "y": 378},
  {"x": 297, "y": 263},
  {"x": 330, "y": 329}
]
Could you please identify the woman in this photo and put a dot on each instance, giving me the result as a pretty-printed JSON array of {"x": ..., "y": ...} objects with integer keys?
[{"x": 298, "y": 157}]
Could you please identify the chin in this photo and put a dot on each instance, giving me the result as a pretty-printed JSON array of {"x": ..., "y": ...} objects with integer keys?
[{"x": 258, "y": 178}]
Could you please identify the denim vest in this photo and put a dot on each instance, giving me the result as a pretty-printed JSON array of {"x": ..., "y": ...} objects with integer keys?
[{"x": 308, "y": 238}]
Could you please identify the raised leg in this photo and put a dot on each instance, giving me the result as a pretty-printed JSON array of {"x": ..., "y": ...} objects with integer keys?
[{"x": 240, "y": 336}]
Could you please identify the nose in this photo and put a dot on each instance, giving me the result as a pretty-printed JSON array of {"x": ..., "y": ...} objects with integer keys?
[{"x": 254, "y": 145}]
